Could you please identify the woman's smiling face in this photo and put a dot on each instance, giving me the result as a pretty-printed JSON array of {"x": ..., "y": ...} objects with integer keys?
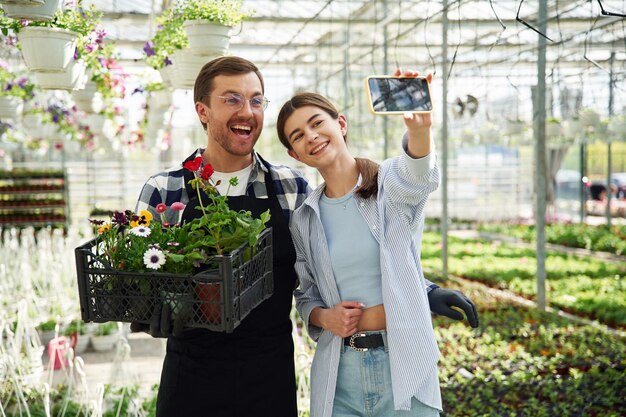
[{"x": 315, "y": 137}]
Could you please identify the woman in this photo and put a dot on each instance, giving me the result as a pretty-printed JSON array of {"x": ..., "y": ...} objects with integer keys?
[{"x": 362, "y": 292}]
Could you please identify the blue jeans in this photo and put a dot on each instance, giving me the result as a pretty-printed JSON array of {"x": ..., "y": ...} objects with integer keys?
[{"x": 364, "y": 386}]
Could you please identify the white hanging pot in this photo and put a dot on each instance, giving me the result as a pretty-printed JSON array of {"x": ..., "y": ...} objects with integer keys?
[
  {"x": 84, "y": 98},
  {"x": 553, "y": 129},
  {"x": 10, "y": 107},
  {"x": 166, "y": 75},
  {"x": 36, "y": 128},
  {"x": 186, "y": 67},
  {"x": 161, "y": 99},
  {"x": 47, "y": 49},
  {"x": 31, "y": 9},
  {"x": 24, "y": 2},
  {"x": 589, "y": 117},
  {"x": 207, "y": 37},
  {"x": 73, "y": 78}
]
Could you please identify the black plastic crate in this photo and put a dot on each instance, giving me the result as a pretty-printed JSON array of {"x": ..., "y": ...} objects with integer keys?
[{"x": 216, "y": 299}]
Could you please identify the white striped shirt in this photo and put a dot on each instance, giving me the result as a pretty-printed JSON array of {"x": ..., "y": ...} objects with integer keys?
[{"x": 396, "y": 219}]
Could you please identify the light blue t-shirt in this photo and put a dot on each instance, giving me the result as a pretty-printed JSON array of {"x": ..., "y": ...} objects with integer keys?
[{"x": 354, "y": 252}]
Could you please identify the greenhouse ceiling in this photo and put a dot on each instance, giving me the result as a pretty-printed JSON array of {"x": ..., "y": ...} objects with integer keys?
[{"x": 324, "y": 37}]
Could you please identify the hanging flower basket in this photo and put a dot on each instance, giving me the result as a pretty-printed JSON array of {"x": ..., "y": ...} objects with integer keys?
[
  {"x": 88, "y": 99},
  {"x": 73, "y": 78},
  {"x": 47, "y": 49},
  {"x": 553, "y": 129},
  {"x": 31, "y": 9},
  {"x": 206, "y": 37},
  {"x": 24, "y": 2},
  {"x": 186, "y": 67},
  {"x": 10, "y": 107}
]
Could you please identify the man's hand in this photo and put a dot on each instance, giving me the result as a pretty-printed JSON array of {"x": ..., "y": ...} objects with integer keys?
[
  {"x": 441, "y": 300},
  {"x": 162, "y": 324}
]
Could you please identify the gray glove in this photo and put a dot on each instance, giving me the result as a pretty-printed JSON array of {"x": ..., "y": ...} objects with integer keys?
[
  {"x": 163, "y": 323},
  {"x": 441, "y": 300}
]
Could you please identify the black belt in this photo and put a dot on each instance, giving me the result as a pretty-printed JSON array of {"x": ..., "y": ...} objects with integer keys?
[{"x": 361, "y": 342}]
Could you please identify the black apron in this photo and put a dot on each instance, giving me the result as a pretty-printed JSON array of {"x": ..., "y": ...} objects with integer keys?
[{"x": 250, "y": 371}]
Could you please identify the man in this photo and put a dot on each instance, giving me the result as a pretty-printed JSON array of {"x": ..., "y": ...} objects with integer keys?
[{"x": 250, "y": 371}]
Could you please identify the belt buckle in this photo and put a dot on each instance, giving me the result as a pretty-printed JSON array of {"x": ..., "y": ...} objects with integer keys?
[{"x": 352, "y": 338}]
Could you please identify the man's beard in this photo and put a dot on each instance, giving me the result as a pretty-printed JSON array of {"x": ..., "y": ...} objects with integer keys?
[{"x": 221, "y": 136}]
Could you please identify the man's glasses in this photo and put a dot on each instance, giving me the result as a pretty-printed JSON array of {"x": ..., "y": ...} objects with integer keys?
[
  {"x": 607, "y": 13},
  {"x": 236, "y": 101}
]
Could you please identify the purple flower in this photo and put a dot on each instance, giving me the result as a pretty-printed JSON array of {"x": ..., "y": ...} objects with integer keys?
[
  {"x": 10, "y": 40},
  {"x": 4, "y": 64},
  {"x": 24, "y": 22},
  {"x": 91, "y": 47},
  {"x": 75, "y": 53},
  {"x": 100, "y": 35},
  {"x": 148, "y": 48},
  {"x": 8, "y": 87},
  {"x": 102, "y": 61},
  {"x": 167, "y": 61},
  {"x": 119, "y": 218},
  {"x": 22, "y": 82},
  {"x": 137, "y": 90}
]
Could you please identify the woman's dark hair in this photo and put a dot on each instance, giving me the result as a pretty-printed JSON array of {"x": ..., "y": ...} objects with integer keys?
[
  {"x": 367, "y": 168},
  {"x": 226, "y": 65}
]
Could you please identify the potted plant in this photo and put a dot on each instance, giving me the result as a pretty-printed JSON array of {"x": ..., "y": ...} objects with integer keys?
[
  {"x": 47, "y": 331},
  {"x": 105, "y": 336},
  {"x": 31, "y": 9},
  {"x": 14, "y": 91},
  {"x": 191, "y": 33},
  {"x": 161, "y": 265},
  {"x": 56, "y": 49},
  {"x": 79, "y": 337},
  {"x": 207, "y": 23},
  {"x": 553, "y": 127}
]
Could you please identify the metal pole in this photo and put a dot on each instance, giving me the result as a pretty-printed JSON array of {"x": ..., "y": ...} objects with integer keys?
[
  {"x": 444, "y": 139},
  {"x": 540, "y": 155},
  {"x": 608, "y": 147},
  {"x": 385, "y": 71}
]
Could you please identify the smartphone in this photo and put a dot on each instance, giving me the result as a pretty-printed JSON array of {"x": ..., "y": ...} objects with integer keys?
[{"x": 397, "y": 95}]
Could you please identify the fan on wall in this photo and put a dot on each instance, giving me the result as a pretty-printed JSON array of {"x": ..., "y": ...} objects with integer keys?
[{"x": 468, "y": 106}]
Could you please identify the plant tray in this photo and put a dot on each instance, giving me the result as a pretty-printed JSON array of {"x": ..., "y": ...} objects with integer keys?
[{"x": 217, "y": 299}]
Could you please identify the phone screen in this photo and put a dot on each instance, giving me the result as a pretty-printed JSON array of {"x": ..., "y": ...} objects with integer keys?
[{"x": 396, "y": 94}]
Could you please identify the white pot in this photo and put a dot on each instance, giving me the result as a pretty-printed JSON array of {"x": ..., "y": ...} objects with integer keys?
[
  {"x": 589, "y": 117},
  {"x": 82, "y": 341},
  {"x": 186, "y": 67},
  {"x": 573, "y": 128},
  {"x": 84, "y": 97},
  {"x": 104, "y": 343},
  {"x": 166, "y": 75},
  {"x": 553, "y": 129},
  {"x": 95, "y": 122},
  {"x": 72, "y": 79},
  {"x": 24, "y": 2},
  {"x": 47, "y": 49},
  {"x": 161, "y": 99},
  {"x": 207, "y": 38},
  {"x": 10, "y": 107},
  {"x": 21, "y": 10},
  {"x": 36, "y": 128}
]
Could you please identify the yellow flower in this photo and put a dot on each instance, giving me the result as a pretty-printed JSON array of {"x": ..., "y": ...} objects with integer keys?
[
  {"x": 134, "y": 223},
  {"x": 104, "y": 228},
  {"x": 146, "y": 217}
]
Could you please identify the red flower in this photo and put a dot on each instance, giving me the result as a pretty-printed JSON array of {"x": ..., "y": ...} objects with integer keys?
[
  {"x": 178, "y": 206},
  {"x": 160, "y": 208},
  {"x": 207, "y": 171},
  {"x": 193, "y": 165}
]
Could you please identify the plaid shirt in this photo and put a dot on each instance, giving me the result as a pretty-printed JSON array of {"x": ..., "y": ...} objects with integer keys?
[{"x": 169, "y": 187}]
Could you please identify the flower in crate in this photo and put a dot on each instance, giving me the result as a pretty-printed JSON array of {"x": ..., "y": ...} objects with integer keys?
[{"x": 219, "y": 229}]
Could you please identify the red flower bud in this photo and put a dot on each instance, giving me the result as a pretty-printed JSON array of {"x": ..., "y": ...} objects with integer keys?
[{"x": 160, "y": 208}]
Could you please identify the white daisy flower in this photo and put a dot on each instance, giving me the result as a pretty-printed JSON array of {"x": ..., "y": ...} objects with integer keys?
[
  {"x": 142, "y": 231},
  {"x": 154, "y": 258}
]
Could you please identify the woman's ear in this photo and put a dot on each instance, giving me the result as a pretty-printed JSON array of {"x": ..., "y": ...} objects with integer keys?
[
  {"x": 292, "y": 154},
  {"x": 343, "y": 124}
]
